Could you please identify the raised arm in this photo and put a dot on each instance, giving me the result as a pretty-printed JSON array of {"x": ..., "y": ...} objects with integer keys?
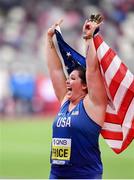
[
  {"x": 95, "y": 83},
  {"x": 54, "y": 64}
]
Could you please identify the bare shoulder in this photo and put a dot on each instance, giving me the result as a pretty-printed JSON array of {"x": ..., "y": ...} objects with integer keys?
[{"x": 95, "y": 112}]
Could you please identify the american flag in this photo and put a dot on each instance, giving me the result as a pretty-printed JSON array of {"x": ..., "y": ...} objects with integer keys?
[{"x": 118, "y": 129}]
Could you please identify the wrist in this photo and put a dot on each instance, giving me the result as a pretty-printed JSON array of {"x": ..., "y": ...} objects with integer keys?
[
  {"x": 49, "y": 36},
  {"x": 50, "y": 41},
  {"x": 87, "y": 37},
  {"x": 50, "y": 33}
]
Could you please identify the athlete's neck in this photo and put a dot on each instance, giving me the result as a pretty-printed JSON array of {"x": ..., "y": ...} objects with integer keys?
[{"x": 77, "y": 100}]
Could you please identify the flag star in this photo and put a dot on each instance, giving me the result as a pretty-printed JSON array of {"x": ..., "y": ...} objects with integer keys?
[{"x": 68, "y": 54}]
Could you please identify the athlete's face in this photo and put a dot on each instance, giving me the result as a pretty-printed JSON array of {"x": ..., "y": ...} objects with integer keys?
[{"x": 75, "y": 87}]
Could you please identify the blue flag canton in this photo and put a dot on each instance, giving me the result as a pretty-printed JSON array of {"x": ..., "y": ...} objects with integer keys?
[{"x": 72, "y": 59}]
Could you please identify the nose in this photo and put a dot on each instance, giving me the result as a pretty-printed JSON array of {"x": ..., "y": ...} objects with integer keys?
[{"x": 67, "y": 81}]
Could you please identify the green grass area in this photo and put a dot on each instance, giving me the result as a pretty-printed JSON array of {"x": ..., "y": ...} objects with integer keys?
[{"x": 25, "y": 148}]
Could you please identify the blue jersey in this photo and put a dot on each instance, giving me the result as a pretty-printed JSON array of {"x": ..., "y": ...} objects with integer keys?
[{"x": 75, "y": 149}]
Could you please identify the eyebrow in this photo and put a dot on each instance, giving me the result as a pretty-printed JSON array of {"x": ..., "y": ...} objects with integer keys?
[{"x": 72, "y": 75}]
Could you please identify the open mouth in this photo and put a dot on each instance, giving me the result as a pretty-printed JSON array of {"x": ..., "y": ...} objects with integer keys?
[{"x": 69, "y": 88}]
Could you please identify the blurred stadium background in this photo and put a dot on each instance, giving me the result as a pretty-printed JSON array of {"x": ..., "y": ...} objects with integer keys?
[{"x": 27, "y": 100}]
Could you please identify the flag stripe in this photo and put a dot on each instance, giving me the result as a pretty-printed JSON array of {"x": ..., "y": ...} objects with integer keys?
[
  {"x": 98, "y": 41},
  {"x": 125, "y": 84},
  {"x": 103, "y": 51},
  {"x": 112, "y": 118},
  {"x": 128, "y": 118},
  {"x": 110, "y": 108},
  {"x": 107, "y": 59},
  {"x": 126, "y": 103},
  {"x": 129, "y": 137},
  {"x": 112, "y": 69},
  {"x": 115, "y": 83},
  {"x": 112, "y": 127},
  {"x": 127, "y": 141},
  {"x": 107, "y": 132},
  {"x": 112, "y": 135},
  {"x": 114, "y": 143}
]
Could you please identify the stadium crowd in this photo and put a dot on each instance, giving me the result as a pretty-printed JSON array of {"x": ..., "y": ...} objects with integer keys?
[{"x": 24, "y": 83}]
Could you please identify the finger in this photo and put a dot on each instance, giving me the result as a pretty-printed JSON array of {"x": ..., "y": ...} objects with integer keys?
[
  {"x": 92, "y": 17},
  {"x": 58, "y": 23},
  {"x": 98, "y": 25},
  {"x": 52, "y": 27},
  {"x": 85, "y": 24},
  {"x": 98, "y": 18}
]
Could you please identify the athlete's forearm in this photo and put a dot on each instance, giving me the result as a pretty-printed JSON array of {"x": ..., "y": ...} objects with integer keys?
[
  {"x": 55, "y": 69},
  {"x": 53, "y": 60},
  {"x": 91, "y": 58}
]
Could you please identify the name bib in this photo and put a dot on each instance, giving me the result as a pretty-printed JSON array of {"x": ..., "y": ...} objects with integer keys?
[{"x": 61, "y": 151}]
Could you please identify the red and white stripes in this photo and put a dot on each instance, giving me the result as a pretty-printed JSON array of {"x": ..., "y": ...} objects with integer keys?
[{"x": 118, "y": 128}]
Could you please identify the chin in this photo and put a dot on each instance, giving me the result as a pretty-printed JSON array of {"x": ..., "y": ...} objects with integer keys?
[{"x": 68, "y": 97}]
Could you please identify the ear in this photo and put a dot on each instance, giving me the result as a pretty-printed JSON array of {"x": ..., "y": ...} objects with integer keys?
[{"x": 84, "y": 87}]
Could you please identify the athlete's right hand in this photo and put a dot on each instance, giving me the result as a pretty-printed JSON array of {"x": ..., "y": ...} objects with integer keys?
[
  {"x": 50, "y": 31},
  {"x": 91, "y": 25}
]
